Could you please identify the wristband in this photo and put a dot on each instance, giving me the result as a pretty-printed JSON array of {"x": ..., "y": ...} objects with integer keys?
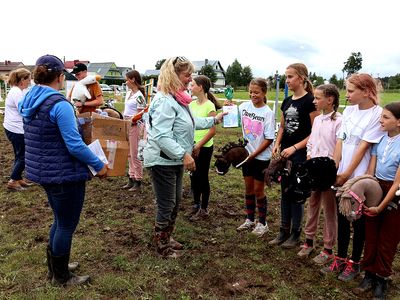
[{"x": 294, "y": 147}]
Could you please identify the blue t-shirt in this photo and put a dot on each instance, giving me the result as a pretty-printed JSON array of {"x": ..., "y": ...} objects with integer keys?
[{"x": 387, "y": 152}]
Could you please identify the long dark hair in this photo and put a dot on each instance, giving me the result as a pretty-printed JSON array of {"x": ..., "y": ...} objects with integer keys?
[
  {"x": 135, "y": 75},
  {"x": 205, "y": 83},
  {"x": 330, "y": 90}
]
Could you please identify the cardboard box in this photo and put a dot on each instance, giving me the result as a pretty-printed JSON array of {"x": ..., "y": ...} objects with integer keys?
[{"x": 113, "y": 136}]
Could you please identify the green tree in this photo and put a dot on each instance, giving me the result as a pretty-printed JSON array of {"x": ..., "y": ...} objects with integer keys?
[
  {"x": 159, "y": 63},
  {"x": 353, "y": 63},
  {"x": 234, "y": 74},
  {"x": 334, "y": 80},
  {"x": 208, "y": 71},
  {"x": 247, "y": 75}
]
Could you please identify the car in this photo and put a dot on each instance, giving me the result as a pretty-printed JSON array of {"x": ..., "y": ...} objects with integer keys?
[
  {"x": 105, "y": 88},
  {"x": 116, "y": 87},
  {"x": 220, "y": 90}
]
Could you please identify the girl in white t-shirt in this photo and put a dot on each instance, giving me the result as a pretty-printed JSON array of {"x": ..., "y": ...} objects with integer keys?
[
  {"x": 19, "y": 80},
  {"x": 360, "y": 128},
  {"x": 258, "y": 126},
  {"x": 135, "y": 102}
]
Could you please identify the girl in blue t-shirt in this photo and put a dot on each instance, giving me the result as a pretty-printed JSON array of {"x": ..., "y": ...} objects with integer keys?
[{"x": 382, "y": 234}]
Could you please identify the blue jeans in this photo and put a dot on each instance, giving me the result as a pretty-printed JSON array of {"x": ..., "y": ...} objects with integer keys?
[
  {"x": 66, "y": 201},
  {"x": 18, "y": 143},
  {"x": 291, "y": 212},
  {"x": 167, "y": 186}
]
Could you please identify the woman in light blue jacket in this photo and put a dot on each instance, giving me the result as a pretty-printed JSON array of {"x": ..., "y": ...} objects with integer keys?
[{"x": 169, "y": 146}]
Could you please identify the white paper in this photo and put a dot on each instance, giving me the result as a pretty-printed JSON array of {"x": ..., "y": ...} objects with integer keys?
[
  {"x": 95, "y": 147},
  {"x": 231, "y": 119}
]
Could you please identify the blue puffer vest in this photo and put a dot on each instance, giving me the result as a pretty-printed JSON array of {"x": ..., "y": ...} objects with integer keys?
[{"x": 47, "y": 159}]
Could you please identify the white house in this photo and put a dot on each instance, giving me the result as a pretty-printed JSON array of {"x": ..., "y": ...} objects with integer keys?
[{"x": 217, "y": 68}]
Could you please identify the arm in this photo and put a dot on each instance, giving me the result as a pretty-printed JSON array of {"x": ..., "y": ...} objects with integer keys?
[
  {"x": 97, "y": 96},
  {"x": 372, "y": 166},
  {"x": 264, "y": 145},
  {"x": 389, "y": 196},
  {"x": 355, "y": 161},
  {"x": 279, "y": 137},
  {"x": 63, "y": 115},
  {"x": 337, "y": 154}
]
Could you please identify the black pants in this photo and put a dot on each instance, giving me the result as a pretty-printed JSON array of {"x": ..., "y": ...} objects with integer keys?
[
  {"x": 199, "y": 179},
  {"x": 344, "y": 237}
]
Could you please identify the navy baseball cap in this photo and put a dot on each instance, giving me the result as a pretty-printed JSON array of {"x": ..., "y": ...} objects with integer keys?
[
  {"x": 78, "y": 68},
  {"x": 53, "y": 63}
]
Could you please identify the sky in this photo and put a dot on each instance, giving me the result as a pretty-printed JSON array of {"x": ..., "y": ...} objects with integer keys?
[{"x": 265, "y": 35}]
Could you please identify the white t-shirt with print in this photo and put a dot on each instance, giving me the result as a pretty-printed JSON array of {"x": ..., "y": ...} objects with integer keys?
[
  {"x": 12, "y": 118},
  {"x": 258, "y": 124},
  {"x": 133, "y": 102},
  {"x": 358, "y": 125}
]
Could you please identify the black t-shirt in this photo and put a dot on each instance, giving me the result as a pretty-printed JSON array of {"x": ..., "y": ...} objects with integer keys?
[{"x": 297, "y": 119}]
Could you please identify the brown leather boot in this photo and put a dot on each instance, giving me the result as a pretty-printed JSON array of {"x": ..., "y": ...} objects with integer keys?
[
  {"x": 163, "y": 246},
  {"x": 15, "y": 186}
]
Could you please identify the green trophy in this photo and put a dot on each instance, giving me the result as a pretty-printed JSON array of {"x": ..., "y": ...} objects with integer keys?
[{"x": 229, "y": 93}]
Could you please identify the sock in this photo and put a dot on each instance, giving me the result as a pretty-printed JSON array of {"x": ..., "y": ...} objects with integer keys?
[
  {"x": 329, "y": 251},
  {"x": 262, "y": 209},
  {"x": 250, "y": 206},
  {"x": 310, "y": 242}
]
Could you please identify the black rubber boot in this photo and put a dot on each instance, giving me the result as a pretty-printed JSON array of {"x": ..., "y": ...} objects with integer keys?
[
  {"x": 61, "y": 274},
  {"x": 380, "y": 289},
  {"x": 71, "y": 266},
  {"x": 366, "y": 284},
  {"x": 282, "y": 236},
  {"x": 129, "y": 184},
  {"x": 293, "y": 241}
]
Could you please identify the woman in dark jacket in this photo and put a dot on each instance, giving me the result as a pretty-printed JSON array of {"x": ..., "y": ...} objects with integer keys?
[{"x": 57, "y": 159}]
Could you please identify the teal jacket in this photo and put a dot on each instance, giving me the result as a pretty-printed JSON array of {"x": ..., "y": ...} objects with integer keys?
[{"x": 170, "y": 132}]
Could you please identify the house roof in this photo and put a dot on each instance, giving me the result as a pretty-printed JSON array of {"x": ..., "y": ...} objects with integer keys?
[
  {"x": 100, "y": 68},
  {"x": 6, "y": 66},
  {"x": 124, "y": 70},
  {"x": 198, "y": 64}
]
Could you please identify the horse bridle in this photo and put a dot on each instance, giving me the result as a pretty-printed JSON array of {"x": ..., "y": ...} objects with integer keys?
[{"x": 361, "y": 205}]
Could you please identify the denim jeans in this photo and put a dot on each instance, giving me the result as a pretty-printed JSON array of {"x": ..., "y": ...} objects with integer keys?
[
  {"x": 18, "y": 143},
  {"x": 66, "y": 201},
  {"x": 167, "y": 186},
  {"x": 291, "y": 211}
]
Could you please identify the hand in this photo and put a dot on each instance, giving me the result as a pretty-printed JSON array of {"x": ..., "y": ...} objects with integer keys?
[
  {"x": 341, "y": 179},
  {"x": 218, "y": 118},
  {"x": 228, "y": 102},
  {"x": 103, "y": 172},
  {"x": 275, "y": 151},
  {"x": 78, "y": 104},
  {"x": 188, "y": 163},
  {"x": 195, "y": 151},
  {"x": 373, "y": 210},
  {"x": 288, "y": 152}
]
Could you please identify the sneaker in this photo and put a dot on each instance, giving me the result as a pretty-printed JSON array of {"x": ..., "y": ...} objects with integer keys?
[
  {"x": 323, "y": 258},
  {"x": 336, "y": 266},
  {"x": 201, "y": 214},
  {"x": 305, "y": 250},
  {"x": 193, "y": 210},
  {"x": 246, "y": 225},
  {"x": 351, "y": 271},
  {"x": 260, "y": 229}
]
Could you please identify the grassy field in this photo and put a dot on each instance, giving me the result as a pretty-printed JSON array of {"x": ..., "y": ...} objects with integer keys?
[{"x": 114, "y": 245}]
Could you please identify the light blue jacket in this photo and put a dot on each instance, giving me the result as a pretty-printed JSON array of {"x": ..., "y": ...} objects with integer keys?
[{"x": 170, "y": 132}]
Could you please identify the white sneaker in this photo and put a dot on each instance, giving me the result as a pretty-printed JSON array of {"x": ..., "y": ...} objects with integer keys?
[
  {"x": 246, "y": 225},
  {"x": 260, "y": 229}
]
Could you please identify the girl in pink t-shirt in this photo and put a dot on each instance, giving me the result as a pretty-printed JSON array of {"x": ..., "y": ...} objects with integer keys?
[{"x": 322, "y": 143}]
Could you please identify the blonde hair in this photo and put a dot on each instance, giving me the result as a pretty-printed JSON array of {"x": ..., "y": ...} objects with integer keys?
[
  {"x": 168, "y": 81},
  {"x": 302, "y": 72},
  {"x": 17, "y": 75}
]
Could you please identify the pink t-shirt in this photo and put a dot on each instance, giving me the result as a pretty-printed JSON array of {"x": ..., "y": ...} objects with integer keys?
[{"x": 323, "y": 135}]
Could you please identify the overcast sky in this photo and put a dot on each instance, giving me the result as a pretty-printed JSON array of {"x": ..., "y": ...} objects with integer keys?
[{"x": 266, "y": 35}]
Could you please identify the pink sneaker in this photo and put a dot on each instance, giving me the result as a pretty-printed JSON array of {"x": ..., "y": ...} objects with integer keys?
[
  {"x": 336, "y": 266},
  {"x": 305, "y": 250},
  {"x": 323, "y": 258}
]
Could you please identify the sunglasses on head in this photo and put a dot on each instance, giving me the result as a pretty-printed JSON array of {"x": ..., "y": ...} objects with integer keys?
[{"x": 180, "y": 59}]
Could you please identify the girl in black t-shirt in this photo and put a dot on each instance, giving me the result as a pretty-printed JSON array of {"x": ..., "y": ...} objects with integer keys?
[{"x": 298, "y": 113}]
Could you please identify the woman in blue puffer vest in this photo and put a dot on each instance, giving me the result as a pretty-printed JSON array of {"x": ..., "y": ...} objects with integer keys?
[{"x": 57, "y": 159}]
